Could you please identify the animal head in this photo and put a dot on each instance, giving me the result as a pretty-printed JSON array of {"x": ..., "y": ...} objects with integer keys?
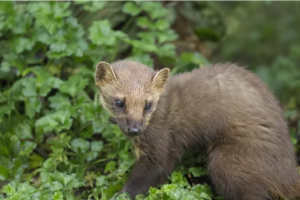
[{"x": 130, "y": 92}]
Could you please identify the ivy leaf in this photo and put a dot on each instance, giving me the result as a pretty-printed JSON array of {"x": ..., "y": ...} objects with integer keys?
[
  {"x": 147, "y": 36},
  {"x": 195, "y": 58},
  {"x": 60, "y": 181},
  {"x": 197, "y": 171},
  {"x": 167, "y": 35},
  {"x": 32, "y": 106},
  {"x": 54, "y": 122},
  {"x": 48, "y": 84},
  {"x": 131, "y": 8},
  {"x": 5, "y": 66},
  {"x": 162, "y": 25},
  {"x": 79, "y": 143},
  {"x": 59, "y": 101},
  {"x": 17, "y": 190},
  {"x": 154, "y": 9},
  {"x": 21, "y": 44},
  {"x": 63, "y": 117},
  {"x": 46, "y": 123},
  {"x": 96, "y": 146},
  {"x": 91, "y": 155},
  {"x": 73, "y": 85},
  {"x": 206, "y": 34},
  {"x": 167, "y": 50},
  {"x": 60, "y": 10},
  {"x": 110, "y": 166},
  {"x": 4, "y": 172},
  {"x": 58, "y": 195},
  {"x": 144, "y": 22},
  {"x": 100, "y": 181},
  {"x": 177, "y": 178},
  {"x": 204, "y": 191},
  {"x": 50, "y": 164},
  {"x": 23, "y": 23},
  {"x": 29, "y": 89},
  {"x": 102, "y": 34},
  {"x": 94, "y": 6},
  {"x": 6, "y": 109},
  {"x": 23, "y": 130}
]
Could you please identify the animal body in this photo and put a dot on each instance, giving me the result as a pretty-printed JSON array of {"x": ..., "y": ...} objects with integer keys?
[{"x": 223, "y": 108}]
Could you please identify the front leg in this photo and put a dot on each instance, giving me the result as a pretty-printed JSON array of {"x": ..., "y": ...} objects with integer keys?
[{"x": 149, "y": 171}]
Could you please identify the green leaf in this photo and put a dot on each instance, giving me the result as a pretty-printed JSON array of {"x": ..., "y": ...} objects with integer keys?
[
  {"x": 58, "y": 195},
  {"x": 60, "y": 10},
  {"x": 29, "y": 89},
  {"x": 100, "y": 181},
  {"x": 5, "y": 66},
  {"x": 73, "y": 85},
  {"x": 167, "y": 50},
  {"x": 197, "y": 171},
  {"x": 177, "y": 178},
  {"x": 167, "y": 35},
  {"x": 54, "y": 122},
  {"x": 206, "y": 34},
  {"x": 79, "y": 143},
  {"x": 21, "y": 44},
  {"x": 154, "y": 9},
  {"x": 91, "y": 155},
  {"x": 22, "y": 191},
  {"x": 162, "y": 25},
  {"x": 6, "y": 109},
  {"x": 4, "y": 173},
  {"x": 35, "y": 161},
  {"x": 147, "y": 37},
  {"x": 144, "y": 22},
  {"x": 204, "y": 191},
  {"x": 196, "y": 58},
  {"x": 50, "y": 164},
  {"x": 48, "y": 85},
  {"x": 131, "y": 8},
  {"x": 28, "y": 150},
  {"x": 102, "y": 34},
  {"x": 59, "y": 101},
  {"x": 9, "y": 189},
  {"x": 96, "y": 146},
  {"x": 110, "y": 166},
  {"x": 46, "y": 123},
  {"x": 23, "y": 130},
  {"x": 63, "y": 117},
  {"x": 60, "y": 181},
  {"x": 94, "y": 6},
  {"x": 32, "y": 106}
]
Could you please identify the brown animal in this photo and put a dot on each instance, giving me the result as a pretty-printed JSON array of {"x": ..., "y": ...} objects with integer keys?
[{"x": 223, "y": 108}]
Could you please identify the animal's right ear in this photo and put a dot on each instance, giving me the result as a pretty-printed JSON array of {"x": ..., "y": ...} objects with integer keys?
[
  {"x": 104, "y": 74},
  {"x": 161, "y": 78}
]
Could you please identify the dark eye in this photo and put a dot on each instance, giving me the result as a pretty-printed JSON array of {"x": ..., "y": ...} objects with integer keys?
[
  {"x": 148, "y": 106},
  {"x": 120, "y": 103}
]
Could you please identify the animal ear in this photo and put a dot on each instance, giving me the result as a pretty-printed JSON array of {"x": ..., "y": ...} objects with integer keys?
[
  {"x": 104, "y": 73},
  {"x": 161, "y": 78}
]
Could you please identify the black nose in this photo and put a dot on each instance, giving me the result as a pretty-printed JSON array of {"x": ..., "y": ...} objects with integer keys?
[{"x": 133, "y": 131}]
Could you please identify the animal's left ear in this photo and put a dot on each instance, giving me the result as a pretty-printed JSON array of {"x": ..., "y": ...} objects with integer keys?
[
  {"x": 104, "y": 73},
  {"x": 161, "y": 78}
]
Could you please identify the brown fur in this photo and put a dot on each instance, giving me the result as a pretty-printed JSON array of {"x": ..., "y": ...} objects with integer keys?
[{"x": 223, "y": 108}]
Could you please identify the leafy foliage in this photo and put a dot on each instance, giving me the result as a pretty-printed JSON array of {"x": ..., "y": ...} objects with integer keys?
[{"x": 55, "y": 138}]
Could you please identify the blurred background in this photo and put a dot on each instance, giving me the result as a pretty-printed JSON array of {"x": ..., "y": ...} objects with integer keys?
[{"x": 55, "y": 138}]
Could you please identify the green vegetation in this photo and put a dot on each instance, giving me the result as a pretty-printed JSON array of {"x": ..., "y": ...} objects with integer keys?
[{"x": 55, "y": 138}]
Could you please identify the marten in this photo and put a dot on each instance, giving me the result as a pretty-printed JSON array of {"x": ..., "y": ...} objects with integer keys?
[{"x": 222, "y": 108}]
